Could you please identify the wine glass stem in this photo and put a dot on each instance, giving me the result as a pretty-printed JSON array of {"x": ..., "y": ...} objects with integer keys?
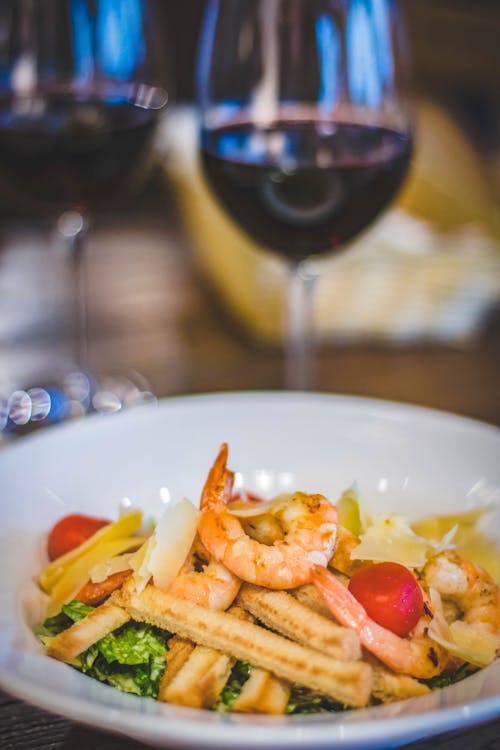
[
  {"x": 299, "y": 333},
  {"x": 73, "y": 228}
]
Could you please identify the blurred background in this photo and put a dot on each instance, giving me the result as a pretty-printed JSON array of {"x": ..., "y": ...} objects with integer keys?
[{"x": 181, "y": 301}]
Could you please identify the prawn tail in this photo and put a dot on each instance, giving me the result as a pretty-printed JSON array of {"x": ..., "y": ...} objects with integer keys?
[{"x": 219, "y": 481}]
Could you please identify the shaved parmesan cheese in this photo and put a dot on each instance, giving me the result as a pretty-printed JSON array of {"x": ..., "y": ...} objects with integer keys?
[
  {"x": 471, "y": 542},
  {"x": 140, "y": 564},
  {"x": 461, "y": 639},
  {"x": 109, "y": 567},
  {"x": 349, "y": 511},
  {"x": 474, "y": 646},
  {"x": 433, "y": 527},
  {"x": 171, "y": 542},
  {"x": 391, "y": 539},
  {"x": 249, "y": 509}
]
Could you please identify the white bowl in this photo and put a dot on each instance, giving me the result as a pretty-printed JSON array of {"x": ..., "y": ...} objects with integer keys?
[{"x": 403, "y": 458}]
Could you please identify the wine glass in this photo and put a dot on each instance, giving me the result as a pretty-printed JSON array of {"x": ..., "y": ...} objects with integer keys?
[
  {"x": 305, "y": 131},
  {"x": 82, "y": 88}
]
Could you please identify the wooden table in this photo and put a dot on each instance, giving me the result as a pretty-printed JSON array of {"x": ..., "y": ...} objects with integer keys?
[{"x": 152, "y": 313}]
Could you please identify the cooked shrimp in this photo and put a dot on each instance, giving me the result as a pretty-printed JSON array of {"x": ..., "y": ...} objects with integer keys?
[
  {"x": 205, "y": 581},
  {"x": 309, "y": 525},
  {"x": 469, "y": 587},
  {"x": 417, "y": 655}
]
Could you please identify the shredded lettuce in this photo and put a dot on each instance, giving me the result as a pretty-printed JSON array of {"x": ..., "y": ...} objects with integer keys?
[
  {"x": 132, "y": 658},
  {"x": 443, "y": 680},
  {"x": 305, "y": 701}
]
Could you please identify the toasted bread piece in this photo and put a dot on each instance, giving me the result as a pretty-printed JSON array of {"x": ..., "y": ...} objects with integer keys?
[
  {"x": 79, "y": 637},
  {"x": 262, "y": 693},
  {"x": 240, "y": 613},
  {"x": 309, "y": 596},
  {"x": 199, "y": 681},
  {"x": 388, "y": 686},
  {"x": 282, "y": 612},
  {"x": 178, "y": 653},
  {"x": 272, "y": 696},
  {"x": 349, "y": 683}
]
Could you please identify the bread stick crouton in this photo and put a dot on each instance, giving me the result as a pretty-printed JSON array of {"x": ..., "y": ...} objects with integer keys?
[
  {"x": 199, "y": 681},
  {"x": 310, "y": 597},
  {"x": 83, "y": 634},
  {"x": 282, "y": 612},
  {"x": 262, "y": 693},
  {"x": 389, "y": 687},
  {"x": 178, "y": 653}
]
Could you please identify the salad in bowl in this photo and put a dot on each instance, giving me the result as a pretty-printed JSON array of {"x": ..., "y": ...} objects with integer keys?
[{"x": 296, "y": 604}]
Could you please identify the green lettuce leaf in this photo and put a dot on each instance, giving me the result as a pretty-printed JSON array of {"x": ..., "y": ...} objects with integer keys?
[
  {"x": 76, "y": 610},
  {"x": 444, "y": 680},
  {"x": 132, "y": 644},
  {"x": 132, "y": 659},
  {"x": 305, "y": 701}
]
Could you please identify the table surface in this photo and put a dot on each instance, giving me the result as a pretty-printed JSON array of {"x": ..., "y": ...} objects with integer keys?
[{"x": 153, "y": 313}]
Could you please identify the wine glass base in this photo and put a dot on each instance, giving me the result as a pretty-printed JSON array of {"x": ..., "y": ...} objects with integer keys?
[{"x": 28, "y": 409}]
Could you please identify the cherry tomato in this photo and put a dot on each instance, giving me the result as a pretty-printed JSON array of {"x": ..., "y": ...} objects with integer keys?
[
  {"x": 390, "y": 595},
  {"x": 70, "y": 532}
]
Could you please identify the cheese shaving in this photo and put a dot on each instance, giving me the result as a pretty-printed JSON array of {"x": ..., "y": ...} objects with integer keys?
[
  {"x": 461, "y": 639},
  {"x": 109, "y": 567},
  {"x": 391, "y": 539},
  {"x": 245, "y": 509},
  {"x": 173, "y": 537}
]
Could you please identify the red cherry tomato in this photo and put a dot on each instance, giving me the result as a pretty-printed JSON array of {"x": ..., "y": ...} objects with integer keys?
[
  {"x": 390, "y": 595},
  {"x": 70, "y": 532}
]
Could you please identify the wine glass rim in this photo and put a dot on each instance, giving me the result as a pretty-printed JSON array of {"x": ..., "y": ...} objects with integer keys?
[{"x": 144, "y": 95}]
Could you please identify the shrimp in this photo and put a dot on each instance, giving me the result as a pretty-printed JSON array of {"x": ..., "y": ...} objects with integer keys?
[
  {"x": 416, "y": 655},
  {"x": 467, "y": 586},
  {"x": 205, "y": 581},
  {"x": 309, "y": 525}
]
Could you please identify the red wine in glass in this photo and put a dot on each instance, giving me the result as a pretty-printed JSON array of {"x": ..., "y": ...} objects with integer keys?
[
  {"x": 83, "y": 85},
  {"x": 66, "y": 149},
  {"x": 305, "y": 132},
  {"x": 303, "y": 188}
]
